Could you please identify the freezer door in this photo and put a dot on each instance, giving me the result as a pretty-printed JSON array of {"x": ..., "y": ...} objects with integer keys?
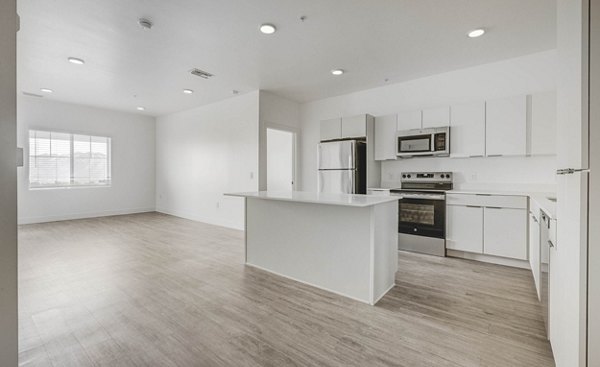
[
  {"x": 337, "y": 155},
  {"x": 337, "y": 181}
]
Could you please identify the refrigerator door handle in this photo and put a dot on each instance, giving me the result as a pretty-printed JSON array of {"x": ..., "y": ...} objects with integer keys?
[{"x": 570, "y": 171}]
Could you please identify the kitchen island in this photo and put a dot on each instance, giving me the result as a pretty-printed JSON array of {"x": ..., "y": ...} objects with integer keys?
[{"x": 345, "y": 244}]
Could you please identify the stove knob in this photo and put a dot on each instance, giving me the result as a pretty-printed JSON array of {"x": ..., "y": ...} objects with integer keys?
[
  {"x": 403, "y": 176},
  {"x": 408, "y": 176}
]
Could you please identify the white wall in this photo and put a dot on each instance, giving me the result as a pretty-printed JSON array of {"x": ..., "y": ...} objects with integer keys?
[
  {"x": 8, "y": 184},
  {"x": 527, "y": 74},
  {"x": 204, "y": 152},
  {"x": 133, "y": 176}
]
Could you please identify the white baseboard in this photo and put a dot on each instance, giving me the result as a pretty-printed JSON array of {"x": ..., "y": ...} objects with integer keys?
[
  {"x": 72, "y": 216},
  {"x": 523, "y": 264}
]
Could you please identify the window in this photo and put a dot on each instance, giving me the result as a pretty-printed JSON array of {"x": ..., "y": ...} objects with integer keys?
[{"x": 63, "y": 160}]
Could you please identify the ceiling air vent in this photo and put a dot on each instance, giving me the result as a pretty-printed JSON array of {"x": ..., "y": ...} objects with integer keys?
[
  {"x": 201, "y": 74},
  {"x": 32, "y": 95}
]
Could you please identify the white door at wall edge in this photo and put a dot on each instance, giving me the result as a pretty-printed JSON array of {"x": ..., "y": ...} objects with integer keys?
[{"x": 280, "y": 160}]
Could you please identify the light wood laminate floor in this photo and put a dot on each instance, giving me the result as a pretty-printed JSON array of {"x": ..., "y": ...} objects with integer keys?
[{"x": 155, "y": 290}]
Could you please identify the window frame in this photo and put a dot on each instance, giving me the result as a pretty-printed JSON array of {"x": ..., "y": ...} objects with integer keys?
[{"x": 71, "y": 185}]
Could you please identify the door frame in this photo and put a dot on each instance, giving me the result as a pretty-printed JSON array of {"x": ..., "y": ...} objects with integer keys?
[
  {"x": 593, "y": 232},
  {"x": 295, "y": 133}
]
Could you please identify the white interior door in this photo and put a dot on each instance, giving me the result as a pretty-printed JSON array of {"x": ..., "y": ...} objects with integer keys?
[{"x": 280, "y": 160}]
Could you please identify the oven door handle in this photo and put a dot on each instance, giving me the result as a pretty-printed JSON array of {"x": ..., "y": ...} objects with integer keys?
[{"x": 424, "y": 197}]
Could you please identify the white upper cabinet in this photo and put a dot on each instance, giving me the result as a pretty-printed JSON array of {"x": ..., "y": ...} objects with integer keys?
[
  {"x": 408, "y": 120},
  {"x": 506, "y": 126},
  {"x": 331, "y": 129},
  {"x": 467, "y": 130},
  {"x": 385, "y": 137},
  {"x": 543, "y": 123},
  {"x": 436, "y": 117},
  {"x": 354, "y": 126}
]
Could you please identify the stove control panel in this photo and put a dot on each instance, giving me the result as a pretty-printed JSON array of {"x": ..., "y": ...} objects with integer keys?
[{"x": 426, "y": 177}]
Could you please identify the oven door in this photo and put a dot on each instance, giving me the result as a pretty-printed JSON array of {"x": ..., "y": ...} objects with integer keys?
[{"x": 421, "y": 216}]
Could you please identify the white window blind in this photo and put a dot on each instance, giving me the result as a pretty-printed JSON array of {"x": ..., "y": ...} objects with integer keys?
[{"x": 59, "y": 159}]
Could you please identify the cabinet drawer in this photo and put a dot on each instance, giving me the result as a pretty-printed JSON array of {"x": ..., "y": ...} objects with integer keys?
[{"x": 500, "y": 201}]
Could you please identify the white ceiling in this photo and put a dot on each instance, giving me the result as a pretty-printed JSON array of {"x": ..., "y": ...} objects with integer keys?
[{"x": 127, "y": 66}]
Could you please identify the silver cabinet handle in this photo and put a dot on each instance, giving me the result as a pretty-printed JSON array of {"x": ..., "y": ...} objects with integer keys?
[
  {"x": 570, "y": 171},
  {"x": 476, "y": 156},
  {"x": 494, "y": 155},
  {"x": 473, "y": 206},
  {"x": 483, "y": 194},
  {"x": 494, "y": 207}
]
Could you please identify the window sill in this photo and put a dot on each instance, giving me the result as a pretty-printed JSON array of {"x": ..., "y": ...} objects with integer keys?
[{"x": 41, "y": 188}]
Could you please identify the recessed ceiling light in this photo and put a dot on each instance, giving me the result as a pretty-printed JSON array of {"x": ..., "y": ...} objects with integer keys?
[
  {"x": 46, "y": 90},
  {"x": 188, "y": 91},
  {"x": 74, "y": 60},
  {"x": 337, "y": 71},
  {"x": 476, "y": 33},
  {"x": 267, "y": 28},
  {"x": 140, "y": 108}
]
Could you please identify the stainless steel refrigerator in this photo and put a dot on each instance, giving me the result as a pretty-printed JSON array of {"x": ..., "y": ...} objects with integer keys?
[{"x": 342, "y": 167}]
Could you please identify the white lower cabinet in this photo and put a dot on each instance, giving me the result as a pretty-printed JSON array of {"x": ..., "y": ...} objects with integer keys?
[
  {"x": 505, "y": 232},
  {"x": 493, "y": 225},
  {"x": 464, "y": 228}
]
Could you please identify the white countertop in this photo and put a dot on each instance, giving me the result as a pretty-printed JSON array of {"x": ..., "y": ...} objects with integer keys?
[{"x": 317, "y": 198}]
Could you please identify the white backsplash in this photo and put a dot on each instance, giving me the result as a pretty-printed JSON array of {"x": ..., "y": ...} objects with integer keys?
[{"x": 497, "y": 173}]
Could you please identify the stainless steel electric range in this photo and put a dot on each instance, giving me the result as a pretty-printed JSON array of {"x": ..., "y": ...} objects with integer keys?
[{"x": 422, "y": 211}]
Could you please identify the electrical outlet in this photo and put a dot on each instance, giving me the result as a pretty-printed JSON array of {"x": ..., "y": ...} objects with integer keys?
[
  {"x": 390, "y": 176},
  {"x": 252, "y": 175},
  {"x": 218, "y": 204},
  {"x": 473, "y": 177}
]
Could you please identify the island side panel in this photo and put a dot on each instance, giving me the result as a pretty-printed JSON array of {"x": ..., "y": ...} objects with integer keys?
[
  {"x": 327, "y": 246},
  {"x": 385, "y": 243}
]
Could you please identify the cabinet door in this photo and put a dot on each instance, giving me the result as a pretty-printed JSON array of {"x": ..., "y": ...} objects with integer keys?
[
  {"x": 331, "y": 129},
  {"x": 505, "y": 232},
  {"x": 436, "y": 117},
  {"x": 408, "y": 120},
  {"x": 385, "y": 137},
  {"x": 467, "y": 130},
  {"x": 543, "y": 123},
  {"x": 534, "y": 249},
  {"x": 464, "y": 228},
  {"x": 354, "y": 127},
  {"x": 506, "y": 126}
]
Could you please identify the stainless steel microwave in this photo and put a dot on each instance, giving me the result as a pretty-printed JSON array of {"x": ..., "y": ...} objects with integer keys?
[{"x": 423, "y": 142}]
